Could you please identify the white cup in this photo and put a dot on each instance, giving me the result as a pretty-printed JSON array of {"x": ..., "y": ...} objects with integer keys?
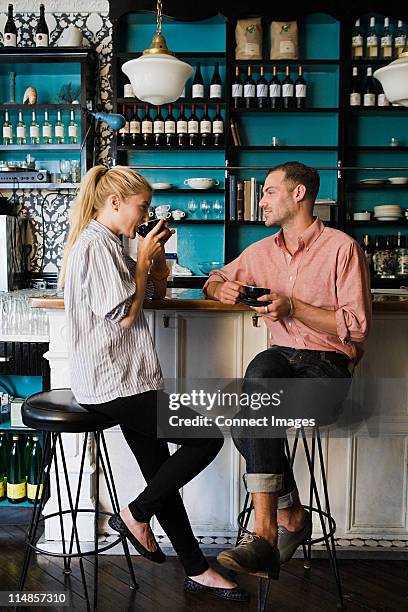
[
  {"x": 178, "y": 214},
  {"x": 163, "y": 215}
]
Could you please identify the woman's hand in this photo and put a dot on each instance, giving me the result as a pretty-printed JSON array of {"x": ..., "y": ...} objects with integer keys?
[{"x": 153, "y": 245}]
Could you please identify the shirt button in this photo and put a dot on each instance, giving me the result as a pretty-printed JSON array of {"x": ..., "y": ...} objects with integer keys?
[
  {"x": 297, "y": 339},
  {"x": 290, "y": 277},
  {"x": 290, "y": 324}
]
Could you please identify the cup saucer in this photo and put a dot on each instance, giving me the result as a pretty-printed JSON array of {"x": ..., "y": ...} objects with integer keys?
[{"x": 252, "y": 302}]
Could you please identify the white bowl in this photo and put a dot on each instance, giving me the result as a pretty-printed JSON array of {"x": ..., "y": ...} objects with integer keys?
[
  {"x": 201, "y": 183},
  {"x": 394, "y": 79},
  {"x": 362, "y": 216},
  {"x": 161, "y": 185},
  {"x": 398, "y": 180}
]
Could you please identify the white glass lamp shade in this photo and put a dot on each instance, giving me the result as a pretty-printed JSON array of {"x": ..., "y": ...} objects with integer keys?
[
  {"x": 157, "y": 78},
  {"x": 394, "y": 80}
]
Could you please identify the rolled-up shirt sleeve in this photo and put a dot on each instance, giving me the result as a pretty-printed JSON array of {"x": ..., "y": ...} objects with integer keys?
[
  {"x": 354, "y": 309},
  {"x": 238, "y": 270}
]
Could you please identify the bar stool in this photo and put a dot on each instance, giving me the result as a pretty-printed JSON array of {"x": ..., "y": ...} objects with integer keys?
[
  {"x": 56, "y": 412},
  {"x": 327, "y": 522}
]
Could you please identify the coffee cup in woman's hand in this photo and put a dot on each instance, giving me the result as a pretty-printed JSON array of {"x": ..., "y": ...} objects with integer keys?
[{"x": 144, "y": 228}]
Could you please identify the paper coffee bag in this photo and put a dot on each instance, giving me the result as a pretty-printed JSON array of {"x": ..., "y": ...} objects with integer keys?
[
  {"x": 284, "y": 40},
  {"x": 248, "y": 37}
]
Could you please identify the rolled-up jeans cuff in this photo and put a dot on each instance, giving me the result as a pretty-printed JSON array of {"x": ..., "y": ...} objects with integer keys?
[
  {"x": 286, "y": 500},
  {"x": 263, "y": 483}
]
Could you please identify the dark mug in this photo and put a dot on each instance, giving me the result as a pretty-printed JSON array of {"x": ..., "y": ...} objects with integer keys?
[
  {"x": 253, "y": 293},
  {"x": 144, "y": 228}
]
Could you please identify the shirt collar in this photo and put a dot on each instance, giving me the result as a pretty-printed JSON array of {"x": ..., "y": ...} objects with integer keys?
[
  {"x": 99, "y": 227},
  {"x": 306, "y": 238}
]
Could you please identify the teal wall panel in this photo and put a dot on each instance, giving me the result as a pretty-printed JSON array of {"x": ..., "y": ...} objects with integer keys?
[
  {"x": 376, "y": 129},
  {"x": 22, "y": 386},
  {"x": 241, "y": 235},
  {"x": 294, "y": 129},
  {"x": 199, "y": 243}
]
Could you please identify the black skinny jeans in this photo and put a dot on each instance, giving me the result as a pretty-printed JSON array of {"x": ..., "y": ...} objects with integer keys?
[{"x": 165, "y": 474}]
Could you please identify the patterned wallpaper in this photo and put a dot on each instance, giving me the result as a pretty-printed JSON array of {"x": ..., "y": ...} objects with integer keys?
[{"x": 47, "y": 213}]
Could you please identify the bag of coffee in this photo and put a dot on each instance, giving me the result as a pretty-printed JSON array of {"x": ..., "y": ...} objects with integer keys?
[
  {"x": 284, "y": 40},
  {"x": 248, "y": 38}
]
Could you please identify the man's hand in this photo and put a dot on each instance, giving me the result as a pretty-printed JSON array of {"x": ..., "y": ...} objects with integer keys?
[
  {"x": 279, "y": 309},
  {"x": 228, "y": 292}
]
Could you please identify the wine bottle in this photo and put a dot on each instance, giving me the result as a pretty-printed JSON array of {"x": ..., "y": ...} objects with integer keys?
[
  {"x": 218, "y": 128},
  {"x": 357, "y": 41},
  {"x": 355, "y": 93},
  {"x": 249, "y": 89},
  {"x": 158, "y": 129},
  {"x": 21, "y": 130},
  {"x": 41, "y": 32},
  {"x": 46, "y": 130},
  {"x": 10, "y": 30},
  {"x": 369, "y": 89},
  {"x": 382, "y": 99},
  {"x": 34, "y": 129},
  {"x": 7, "y": 130},
  {"x": 181, "y": 127},
  {"x": 372, "y": 40},
  {"x": 386, "y": 40},
  {"x": 300, "y": 90},
  {"x": 123, "y": 131},
  {"x": 26, "y": 453},
  {"x": 262, "y": 89},
  {"x": 34, "y": 471},
  {"x": 288, "y": 90},
  {"x": 368, "y": 251},
  {"x": 400, "y": 39},
  {"x": 134, "y": 127},
  {"x": 192, "y": 128},
  {"x": 3, "y": 465},
  {"x": 16, "y": 480},
  {"x": 59, "y": 129},
  {"x": 275, "y": 90},
  {"x": 72, "y": 129},
  {"x": 197, "y": 90},
  {"x": 216, "y": 84},
  {"x": 205, "y": 129},
  {"x": 170, "y": 128},
  {"x": 237, "y": 90},
  {"x": 147, "y": 128}
]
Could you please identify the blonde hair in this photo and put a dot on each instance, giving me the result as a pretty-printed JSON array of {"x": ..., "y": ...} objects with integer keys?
[{"x": 99, "y": 183}]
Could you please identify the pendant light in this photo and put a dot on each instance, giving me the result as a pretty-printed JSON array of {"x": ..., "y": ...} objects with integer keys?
[
  {"x": 157, "y": 77},
  {"x": 394, "y": 79}
]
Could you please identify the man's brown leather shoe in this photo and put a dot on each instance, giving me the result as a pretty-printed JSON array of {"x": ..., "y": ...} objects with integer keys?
[{"x": 253, "y": 555}]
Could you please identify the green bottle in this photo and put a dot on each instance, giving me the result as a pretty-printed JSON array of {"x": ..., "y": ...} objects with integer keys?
[
  {"x": 26, "y": 453},
  {"x": 16, "y": 482},
  {"x": 34, "y": 468},
  {"x": 3, "y": 465}
]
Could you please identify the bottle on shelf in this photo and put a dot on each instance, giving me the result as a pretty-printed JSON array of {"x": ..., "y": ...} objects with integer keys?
[
  {"x": 382, "y": 99},
  {"x": 7, "y": 130},
  {"x": 370, "y": 90},
  {"x": 218, "y": 128},
  {"x": 300, "y": 90},
  {"x": 193, "y": 128},
  {"x": 181, "y": 127},
  {"x": 59, "y": 129},
  {"x": 355, "y": 93},
  {"x": 386, "y": 40},
  {"x": 10, "y": 30},
  {"x": 372, "y": 40},
  {"x": 3, "y": 465},
  {"x": 402, "y": 256},
  {"x": 124, "y": 130},
  {"x": 368, "y": 249},
  {"x": 26, "y": 453},
  {"x": 16, "y": 480},
  {"x": 262, "y": 90},
  {"x": 357, "y": 41},
  {"x": 46, "y": 130},
  {"x": 41, "y": 32},
  {"x": 134, "y": 127},
  {"x": 288, "y": 91},
  {"x": 34, "y": 471},
  {"x": 197, "y": 88},
  {"x": 21, "y": 130},
  {"x": 205, "y": 129},
  {"x": 183, "y": 93},
  {"x": 34, "y": 129},
  {"x": 275, "y": 90},
  {"x": 147, "y": 128},
  {"x": 237, "y": 90},
  {"x": 249, "y": 89},
  {"x": 216, "y": 83},
  {"x": 400, "y": 39},
  {"x": 170, "y": 128},
  {"x": 158, "y": 129},
  {"x": 72, "y": 129}
]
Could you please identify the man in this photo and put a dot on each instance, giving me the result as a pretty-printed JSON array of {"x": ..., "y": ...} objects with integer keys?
[{"x": 318, "y": 320}]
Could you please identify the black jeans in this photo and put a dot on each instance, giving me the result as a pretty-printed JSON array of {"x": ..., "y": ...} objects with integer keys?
[
  {"x": 164, "y": 473},
  {"x": 267, "y": 465}
]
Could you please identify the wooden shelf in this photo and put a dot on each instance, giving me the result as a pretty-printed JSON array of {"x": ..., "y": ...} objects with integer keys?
[
  {"x": 35, "y": 107},
  {"x": 282, "y": 148},
  {"x": 198, "y": 54},
  {"x": 387, "y": 186},
  {"x": 377, "y": 110},
  {"x": 41, "y": 147},
  {"x": 6, "y": 504},
  {"x": 189, "y": 190},
  {"x": 196, "y": 221},
  {"x": 53, "y": 186},
  {"x": 376, "y": 223},
  {"x": 171, "y": 149},
  {"x": 283, "y": 62},
  {"x": 209, "y": 101},
  {"x": 283, "y": 111}
]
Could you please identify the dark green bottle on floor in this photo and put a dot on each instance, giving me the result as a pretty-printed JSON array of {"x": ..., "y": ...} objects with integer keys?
[
  {"x": 3, "y": 465},
  {"x": 16, "y": 481},
  {"x": 34, "y": 467}
]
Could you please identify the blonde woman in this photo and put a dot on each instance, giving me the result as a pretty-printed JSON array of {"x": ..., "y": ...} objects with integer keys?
[{"x": 114, "y": 366}]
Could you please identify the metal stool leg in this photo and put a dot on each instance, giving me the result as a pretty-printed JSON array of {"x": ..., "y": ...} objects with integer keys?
[
  {"x": 263, "y": 590},
  {"x": 110, "y": 483},
  {"x": 246, "y": 519},
  {"x": 96, "y": 521},
  {"x": 81, "y": 471},
  {"x": 308, "y": 560},
  {"x": 61, "y": 518}
]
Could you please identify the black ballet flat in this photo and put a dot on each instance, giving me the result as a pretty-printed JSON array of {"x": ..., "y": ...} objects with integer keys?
[
  {"x": 118, "y": 525},
  {"x": 235, "y": 594}
]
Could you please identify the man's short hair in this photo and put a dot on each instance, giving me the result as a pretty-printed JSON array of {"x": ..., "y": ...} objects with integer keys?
[{"x": 297, "y": 173}]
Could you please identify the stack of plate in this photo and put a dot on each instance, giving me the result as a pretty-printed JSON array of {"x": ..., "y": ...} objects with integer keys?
[{"x": 387, "y": 212}]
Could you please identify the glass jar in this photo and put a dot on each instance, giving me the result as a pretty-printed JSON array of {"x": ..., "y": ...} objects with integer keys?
[
  {"x": 384, "y": 258},
  {"x": 402, "y": 262}
]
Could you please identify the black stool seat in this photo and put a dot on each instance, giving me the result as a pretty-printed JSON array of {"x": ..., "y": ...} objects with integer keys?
[{"x": 58, "y": 410}]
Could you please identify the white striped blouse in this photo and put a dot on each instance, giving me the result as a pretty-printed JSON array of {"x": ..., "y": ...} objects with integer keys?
[{"x": 106, "y": 361}]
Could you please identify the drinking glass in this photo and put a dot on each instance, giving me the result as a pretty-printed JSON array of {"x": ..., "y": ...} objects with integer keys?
[
  {"x": 205, "y": 208},
  {"x": 192, "y": 207},
  {"x": 217, "y": 208},
  {"x": 75, "y": 171},
  {"x": 65, "y": 169}
]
